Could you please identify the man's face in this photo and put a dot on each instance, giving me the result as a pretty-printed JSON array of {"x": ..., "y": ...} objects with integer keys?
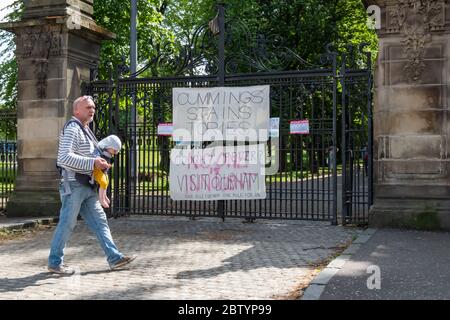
[{"x": 85, "y": 110}]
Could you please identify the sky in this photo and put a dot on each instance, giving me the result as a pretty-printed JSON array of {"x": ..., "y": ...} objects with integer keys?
[{"x": 3, "y": 4}]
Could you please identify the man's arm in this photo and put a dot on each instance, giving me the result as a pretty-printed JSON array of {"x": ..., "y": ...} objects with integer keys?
[{"x": 67, "y": 158}]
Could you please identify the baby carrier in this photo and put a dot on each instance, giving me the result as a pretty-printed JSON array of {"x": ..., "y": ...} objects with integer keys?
[{"x": 83, "y": 179}]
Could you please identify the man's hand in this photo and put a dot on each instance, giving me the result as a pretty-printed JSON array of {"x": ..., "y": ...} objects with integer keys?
[{"x": 101, "y": 164}]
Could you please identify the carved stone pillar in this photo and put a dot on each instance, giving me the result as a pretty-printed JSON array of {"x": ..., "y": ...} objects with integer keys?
[
  {"x": 411, "y": 124},
  {"x": 57, "y": 43}
]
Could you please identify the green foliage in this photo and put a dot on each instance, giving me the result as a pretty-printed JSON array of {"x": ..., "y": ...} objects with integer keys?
[
  {"x": 164, "y": 26},
  {"x": 303, "y": 26},
  {"x": 114, "y": 15},
  {"x": 8, "y": 65},
  {"x": 8, "y": 79}
]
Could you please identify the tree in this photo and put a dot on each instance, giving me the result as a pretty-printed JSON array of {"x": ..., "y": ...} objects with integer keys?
[
  {"x": 8, "y": 77},
  {"x": 166, "y": 26},
  {"x": 114, "y": 15},
  {"x": 8, "y": 65},
  {"x": 277, "y": 35}
]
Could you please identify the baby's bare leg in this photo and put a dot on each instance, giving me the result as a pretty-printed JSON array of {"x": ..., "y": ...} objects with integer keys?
[{"x": 102, "y": 198}]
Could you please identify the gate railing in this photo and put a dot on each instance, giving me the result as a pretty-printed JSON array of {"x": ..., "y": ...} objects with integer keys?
[
  {"x": 8, "y": 155},
  {"x": 356, "y": 140},
  {"x": 326, "y": 175},
  {"x": 304, "y": 187},
  {"x": 310, "y": 177}
]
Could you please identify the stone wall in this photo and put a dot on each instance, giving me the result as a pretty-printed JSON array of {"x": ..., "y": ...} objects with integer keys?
[
  {"x": 411, "y": 129},
  {"x": 57, "y": 43}
]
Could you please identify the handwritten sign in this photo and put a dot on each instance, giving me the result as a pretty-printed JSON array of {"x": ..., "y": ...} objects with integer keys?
[
  {"x": 217, "y": 173},
  {"x": 221, "y": 113},
  {"x": 165, "y": 129},
  {"x": 299, "y": 127}
]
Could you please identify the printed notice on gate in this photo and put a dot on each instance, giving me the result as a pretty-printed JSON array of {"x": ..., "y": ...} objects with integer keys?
[
  {"x": 218, "y": 173},
  {"x": 274, "y": 127},
  {"x": 299, "y": 126},
  {"x": 165, "y": 129}
]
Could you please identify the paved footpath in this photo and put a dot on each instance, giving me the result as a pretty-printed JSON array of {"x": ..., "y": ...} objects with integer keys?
[
  {"x": 408, "y": 264},
  {"x": 178, "y": 258}
]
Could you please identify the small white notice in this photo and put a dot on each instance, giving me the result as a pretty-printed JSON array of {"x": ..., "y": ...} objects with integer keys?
[
  {"x": 299, "y": 126},
  {"x": 165, "y": 129},
  {"x": 274, "y": 127}
]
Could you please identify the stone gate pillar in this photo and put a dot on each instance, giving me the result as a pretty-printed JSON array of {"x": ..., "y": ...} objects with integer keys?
[
  {"x": 57, "y": 43},
  {"x": 411, "y": 117}
]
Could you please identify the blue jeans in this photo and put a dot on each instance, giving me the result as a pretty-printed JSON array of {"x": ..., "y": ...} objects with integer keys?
[{"x": 82, "y": 200}]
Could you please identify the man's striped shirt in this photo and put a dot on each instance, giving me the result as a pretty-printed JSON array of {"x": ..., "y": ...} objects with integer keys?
[{"x": 76, "y": 150}]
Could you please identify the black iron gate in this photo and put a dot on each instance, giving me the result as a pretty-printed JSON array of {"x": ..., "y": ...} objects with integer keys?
[
  {"x": 8, "y": 155},
  {"x": 321, "y": 174},
  {"x": 356, "y": 139}
]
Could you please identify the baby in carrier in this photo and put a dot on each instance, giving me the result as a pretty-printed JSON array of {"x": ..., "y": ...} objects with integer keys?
[{"x": 106, "y": 149}]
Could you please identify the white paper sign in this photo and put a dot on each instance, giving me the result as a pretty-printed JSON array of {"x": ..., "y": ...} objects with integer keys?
[
  {"x": 299, "y": 127},
  {"x": 221, "y": 113},
  {"x": 274, "y": 127},
  {"x": 165, "y": 129},
  {"x": 218, "y": 173}
]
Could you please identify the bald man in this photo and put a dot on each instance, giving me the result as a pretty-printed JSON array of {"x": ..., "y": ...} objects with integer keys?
[{"x": 76, "y": 160}]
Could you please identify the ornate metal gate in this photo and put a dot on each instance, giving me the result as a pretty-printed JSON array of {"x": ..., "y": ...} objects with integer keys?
[{"x": 313, "y": 168}]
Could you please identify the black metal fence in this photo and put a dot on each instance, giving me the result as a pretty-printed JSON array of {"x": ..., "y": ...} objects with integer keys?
[
  {"x": 303, "y": 187},
  {"x": 8, "y": 155},
  {"x": 356, "y": 141},
  {"x": 324, "y": 175}
]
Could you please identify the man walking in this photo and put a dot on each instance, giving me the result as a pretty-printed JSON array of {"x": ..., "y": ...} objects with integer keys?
[{"x": 77, "y": 144}]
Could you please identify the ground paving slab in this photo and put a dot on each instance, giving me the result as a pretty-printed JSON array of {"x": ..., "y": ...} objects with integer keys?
[{"x": 178, "y": 258}]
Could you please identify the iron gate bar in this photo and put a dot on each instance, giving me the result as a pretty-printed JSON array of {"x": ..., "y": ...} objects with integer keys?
[
  {"x": 370, "y": 128},
  {"x": 343, "y": 142},
  {"x": 221, "y": 80},
  {"x": 334, "y": 142},
  {"x": 357, "y": 143}
]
